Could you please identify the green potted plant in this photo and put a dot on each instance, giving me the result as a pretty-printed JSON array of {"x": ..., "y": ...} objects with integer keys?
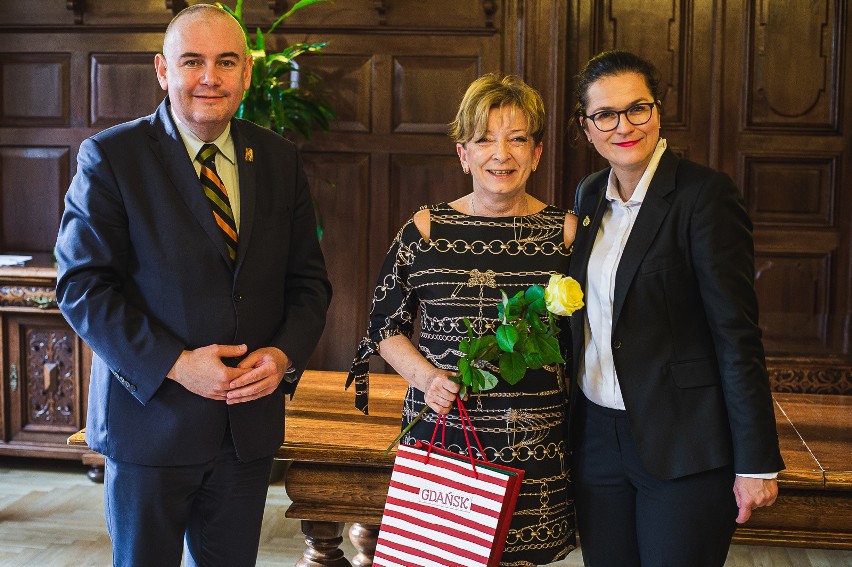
[{"x": 279, "y": 97}]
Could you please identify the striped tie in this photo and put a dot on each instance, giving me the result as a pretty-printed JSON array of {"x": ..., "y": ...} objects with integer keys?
[{"x": 218, "y": 197}]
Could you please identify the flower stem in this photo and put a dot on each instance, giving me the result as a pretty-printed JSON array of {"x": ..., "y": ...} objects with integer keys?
[{"x": 407, "y": 429}]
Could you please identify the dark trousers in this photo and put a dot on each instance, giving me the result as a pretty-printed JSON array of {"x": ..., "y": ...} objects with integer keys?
[
  {"x": 215, "y": 507},
  {"x": 626, "y": 517}
]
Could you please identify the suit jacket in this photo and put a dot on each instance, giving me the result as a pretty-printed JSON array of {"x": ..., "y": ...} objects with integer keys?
[
  {"x": 143, "y": 274},
  {"x": 686, "y": 344}
]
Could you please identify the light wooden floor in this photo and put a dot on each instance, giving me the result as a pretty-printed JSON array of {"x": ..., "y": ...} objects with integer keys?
[{"x": 51, "y": 515}]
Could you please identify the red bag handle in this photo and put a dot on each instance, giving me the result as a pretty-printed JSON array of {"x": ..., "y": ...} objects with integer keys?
[{"x": 466, "y": 424}]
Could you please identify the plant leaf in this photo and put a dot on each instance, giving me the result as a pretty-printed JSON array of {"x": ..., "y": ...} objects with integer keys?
[
  {"x": 469, "y": 328},
  {"x": 464, "y": 366},
  {"x": 298, "y": 6},
  {"x": 489, "y": 381},
  {"x": 533, "y": 293},
  {"x": 534, "y": 360},
  {"x": 507, "y": 336},
  {"x": 536, "y": 323},
  {"x": 464, "y": 345},
  {"x": 549, "y": 349},
  {"x": 512, "y": 367}
]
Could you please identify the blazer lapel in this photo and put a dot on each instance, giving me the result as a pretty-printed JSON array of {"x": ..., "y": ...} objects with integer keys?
[
  {"x": 651, "y": 215},
  {"x": 169, "y": 148},
  {"x": 248, "y": 187}
]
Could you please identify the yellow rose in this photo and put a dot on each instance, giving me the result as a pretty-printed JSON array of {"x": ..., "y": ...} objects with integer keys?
[{"x": 563, "y": 295}]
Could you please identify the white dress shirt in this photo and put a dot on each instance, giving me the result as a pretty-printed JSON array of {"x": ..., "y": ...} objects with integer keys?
[{"x": 598, "y": 378}]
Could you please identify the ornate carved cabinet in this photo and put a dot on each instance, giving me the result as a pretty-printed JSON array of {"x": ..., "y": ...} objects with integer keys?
[{"x": 45, "y": 367}]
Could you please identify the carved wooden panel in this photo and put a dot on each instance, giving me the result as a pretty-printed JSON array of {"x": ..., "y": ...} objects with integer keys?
[
  {"x": 46, "y": 397},
  {"x": 794, "y": 293},
  {"x": 51, "y": 391},
  {"x": 793, "y": 79},
  {"x": 677, "y": 36},
  {"x": 809, "y": 376},
  {"x": 793, "y": 190},
  {"x": 340, "y": 184},
  {"x": 427, "y": 89},
  {"x": 32, "y": 296},
  {"x": 32, "y": 184},
  {"x": 626, "y": 25},
  {"x": 123, "y": 86},
  {"x": 34, "y": 89}
]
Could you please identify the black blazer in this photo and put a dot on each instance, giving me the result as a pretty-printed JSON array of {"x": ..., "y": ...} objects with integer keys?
[
  {"x": 686, "y": 343},
  {"x": 144, "y": 274}
]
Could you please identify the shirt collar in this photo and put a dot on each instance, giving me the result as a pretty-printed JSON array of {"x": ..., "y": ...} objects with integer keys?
[
  {"x": 645, "y": 182},
  {"x": 224, "y": 143}
]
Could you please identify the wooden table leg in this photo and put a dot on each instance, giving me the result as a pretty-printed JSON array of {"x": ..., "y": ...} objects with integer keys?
[
  {"x": 363, "y": 538},
  {"x": 323, "y": 541}
]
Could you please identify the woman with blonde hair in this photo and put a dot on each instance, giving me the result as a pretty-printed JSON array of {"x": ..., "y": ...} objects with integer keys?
[{"x": 448, "y": 263}]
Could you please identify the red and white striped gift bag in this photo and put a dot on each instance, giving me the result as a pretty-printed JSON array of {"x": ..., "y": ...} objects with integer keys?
[{"x": 445, "y": 510}]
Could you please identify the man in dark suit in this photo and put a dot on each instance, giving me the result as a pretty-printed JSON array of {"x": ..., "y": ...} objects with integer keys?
[
  {"x": 201, "y": 288},
  {"x": 673, "y": 428}
]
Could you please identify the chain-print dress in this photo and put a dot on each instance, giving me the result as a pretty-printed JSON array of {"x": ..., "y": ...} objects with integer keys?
[{"x": 459, "y": 273}]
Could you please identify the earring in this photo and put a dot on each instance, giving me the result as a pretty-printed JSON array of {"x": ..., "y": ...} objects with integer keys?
[{"x": 466, "y": 169}]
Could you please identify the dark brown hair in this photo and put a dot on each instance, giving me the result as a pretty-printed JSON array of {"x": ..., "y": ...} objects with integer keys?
[{"x": 607, "y": 64}]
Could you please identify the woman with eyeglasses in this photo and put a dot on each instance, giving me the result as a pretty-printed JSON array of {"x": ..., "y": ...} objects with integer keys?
[{"x": 673, "y": 428}]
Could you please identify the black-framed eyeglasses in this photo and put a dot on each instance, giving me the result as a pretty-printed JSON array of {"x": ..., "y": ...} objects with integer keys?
[{"x": 637, "y": 114}]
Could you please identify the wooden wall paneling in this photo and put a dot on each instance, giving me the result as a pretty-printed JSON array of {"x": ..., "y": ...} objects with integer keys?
[
  {"x": 740, "y": 98},
  {"x": 783, "y": 138},
  {"x": 792, "y": 190},
  {"x": 29, "y": 214},
  {"x": 34, "y": 89},
  {"x": 123, "y": 87},
  {"x": 110, "y": 12},
  {"x": 347, "y": 83},
  {"x": 843, "y": 275},
  {"x": 537, "y": 52},
  {"x": 36, "y": 12},
  {"x": 402, "y": 16},
  {"x": 794, "y": 291},
  {"x": 794, "y": 85},
  {"x": 340, "y": 186},
  {"x": 72, "y": 84},
  {"x": 395, "y": 91},
  {"x": 439, "y": 179},
  {"x": 678, "y": 37},
  {"x": 417, "y": 105}
]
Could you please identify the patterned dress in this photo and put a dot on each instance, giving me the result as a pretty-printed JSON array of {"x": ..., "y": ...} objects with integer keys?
[{"x": 459, "y": 273}]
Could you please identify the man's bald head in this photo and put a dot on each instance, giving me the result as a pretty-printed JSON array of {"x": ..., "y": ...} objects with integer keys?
[
  {"x": 205, "y": 67},
  {"x": 201, "y": 12}
]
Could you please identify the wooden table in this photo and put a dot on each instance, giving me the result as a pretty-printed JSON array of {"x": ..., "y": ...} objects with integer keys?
[
  {"x": 338, "y": 471},
  {"x": 814, "y": 506}
]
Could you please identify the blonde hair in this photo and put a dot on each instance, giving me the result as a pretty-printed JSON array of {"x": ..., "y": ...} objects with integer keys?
[{"x": 491, "y": 91}]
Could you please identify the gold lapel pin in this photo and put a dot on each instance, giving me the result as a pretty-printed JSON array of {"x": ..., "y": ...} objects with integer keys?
[
  {"x": 249, "y": 155},
  {"x": 586, "y": 221}
]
